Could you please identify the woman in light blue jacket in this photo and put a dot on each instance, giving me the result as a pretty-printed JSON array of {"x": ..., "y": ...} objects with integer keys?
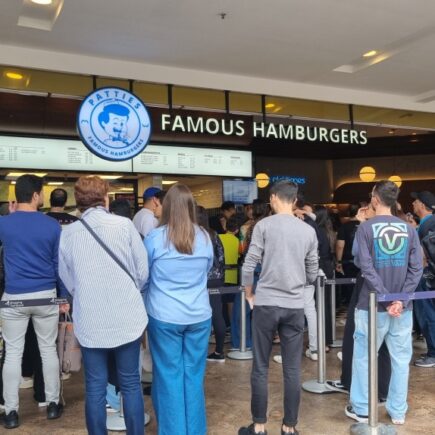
[{"x": 180, "y": 255}]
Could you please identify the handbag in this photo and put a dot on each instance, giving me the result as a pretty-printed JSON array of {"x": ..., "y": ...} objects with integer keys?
[{"x": 68, "y": 347}]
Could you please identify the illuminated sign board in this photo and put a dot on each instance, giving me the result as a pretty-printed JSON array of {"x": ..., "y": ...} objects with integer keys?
[{"x": 72, "y": 155}]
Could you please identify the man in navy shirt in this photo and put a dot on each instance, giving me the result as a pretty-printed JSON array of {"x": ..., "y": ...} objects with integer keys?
[
  {"x": 30, "y": 245},
  {"x": 390, "y": 258}
]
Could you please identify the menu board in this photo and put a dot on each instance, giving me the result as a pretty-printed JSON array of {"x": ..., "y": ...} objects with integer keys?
[
  {"x": 160, "y": 159},
  {"x": 54, "y": 154},
  {"x": 72, "y": 155}
]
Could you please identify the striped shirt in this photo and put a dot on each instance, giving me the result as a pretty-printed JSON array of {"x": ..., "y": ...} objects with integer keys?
[{"x": 108, "y": 307}]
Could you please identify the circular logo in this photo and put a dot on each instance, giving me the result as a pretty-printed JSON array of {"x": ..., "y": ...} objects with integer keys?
[{"x": 114, "y": 124}]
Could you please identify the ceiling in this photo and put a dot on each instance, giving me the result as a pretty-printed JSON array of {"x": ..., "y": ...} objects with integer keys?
[{"x": 280, "y": 41}]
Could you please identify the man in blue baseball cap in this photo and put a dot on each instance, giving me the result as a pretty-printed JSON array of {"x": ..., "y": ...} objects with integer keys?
[{"x": 146, "y": 219}]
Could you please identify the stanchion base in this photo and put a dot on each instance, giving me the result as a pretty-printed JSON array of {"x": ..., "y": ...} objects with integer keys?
[
  {"x": 314, "y": 386},
  {"x": 336, "y": 343},
  {"x": 237, "y": 354},
  {"x": 116, "y": 423},
  {"x": 365, "y": 429}
]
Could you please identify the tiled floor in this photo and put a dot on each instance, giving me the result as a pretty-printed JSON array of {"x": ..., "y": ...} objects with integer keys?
[{"x": 228, "y": 403}]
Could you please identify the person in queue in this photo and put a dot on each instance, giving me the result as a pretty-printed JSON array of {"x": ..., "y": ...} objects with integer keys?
[
  {"x": 343, "y": 384},
  {"x": 219, "y": 223},
  {"x": 390, "y": 259},
  {"x": 180, "y": 255},
  {"x": 146, "y": 219},
  {"x": 424, "y": 206},
  {"x": 116, "y": 331},
  {"x": 30, "y": 243},
  {"x": 215, "y": 279},
  {"x": 287, "y": 249}
]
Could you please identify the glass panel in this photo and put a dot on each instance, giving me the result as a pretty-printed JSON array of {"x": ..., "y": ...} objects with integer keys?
[
  {"x": 307, "y": 108},
  {"x": 192, "y": 97},
  {"x": 245, "y": 102},
  {"x": 151, "y": 93},
  {"x": 394, "y": 117},
  {"x": 44, "y": 81},
  {"x": 105, "y": 81}
]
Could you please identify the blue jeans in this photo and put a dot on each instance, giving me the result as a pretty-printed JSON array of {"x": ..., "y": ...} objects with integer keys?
[
  {"x": 96, "y": 377},
  {"x": 397, "y": 333},
  {"x": 113, "y": 398},
  {"x": 425, "y": 314},
  {"x": 179, "y": 355}
]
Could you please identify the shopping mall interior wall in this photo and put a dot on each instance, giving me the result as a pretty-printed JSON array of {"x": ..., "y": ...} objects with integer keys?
[
  {"x": 318, "y": 187},
  {"x": 414, "y": 167}
]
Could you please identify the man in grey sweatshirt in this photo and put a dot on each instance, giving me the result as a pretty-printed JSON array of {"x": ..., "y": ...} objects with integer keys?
[{"x": 286, "y": 247}]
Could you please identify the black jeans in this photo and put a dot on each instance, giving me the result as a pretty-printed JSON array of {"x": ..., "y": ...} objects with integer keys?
[
  {"x": 384, "y": 361},
  {"x": 290, "y": 326},
  {"x": 218, "y": 322}
]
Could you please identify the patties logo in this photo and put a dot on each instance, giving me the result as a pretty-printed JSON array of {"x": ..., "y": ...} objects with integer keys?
[{"x": 114, "y": 124}]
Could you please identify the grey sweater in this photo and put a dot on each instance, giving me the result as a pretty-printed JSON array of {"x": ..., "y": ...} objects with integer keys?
[{"x": 286, "y": 247}]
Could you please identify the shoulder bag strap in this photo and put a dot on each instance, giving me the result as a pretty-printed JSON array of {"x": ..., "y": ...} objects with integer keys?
[{"x": 107, "y": 249}]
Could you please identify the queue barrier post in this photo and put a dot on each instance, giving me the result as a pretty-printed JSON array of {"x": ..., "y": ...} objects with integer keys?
[
  {"x": 243, "y": 353},
  {"x": 115, "y": 422},
  {"x": 373, "y": 427},
  {"x": 318, "y": 385},
  {"x": 335, "y": 343}
]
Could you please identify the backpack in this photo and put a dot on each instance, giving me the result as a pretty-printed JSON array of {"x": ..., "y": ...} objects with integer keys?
[
  {"x": 216, "y": 275},
  {"x": 428, "y": 244}
]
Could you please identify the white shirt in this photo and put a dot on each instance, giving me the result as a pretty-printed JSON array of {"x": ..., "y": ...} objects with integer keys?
[
  {"x": 108, "y": 308},
  {"x": 144, "y": 221}
]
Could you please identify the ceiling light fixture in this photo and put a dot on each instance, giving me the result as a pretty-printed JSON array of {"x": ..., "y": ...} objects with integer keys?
[
  {"x": 370, "y": 53},
  {"x": 167, "y": 182},
  {"x": 392, "y": 131},
  {"x": 18, "y": 174},
  {"x": 109, "y": 177},
  {"x": 269, "y": 106},
  {"x": 55, "y": 183},
  {"x": 14, "y": 75},
  {"x": 42, "y": 2}
]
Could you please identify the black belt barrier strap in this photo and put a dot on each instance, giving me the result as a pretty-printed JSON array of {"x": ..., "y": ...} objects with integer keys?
[{"x": 19, "y": 303}]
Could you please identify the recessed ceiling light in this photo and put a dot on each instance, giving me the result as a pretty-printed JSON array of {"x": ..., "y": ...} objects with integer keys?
[
  {"x": 18, "y": 174},
  {"x": 14, "y": 75},
  {"x": 42, "y": 2},
  {"x": 269, "y": 106},
  {"x": 166, "y": 182},
  {"x": 109, "y": 177},
  {"x": 392, "y": 131},
  {"x": 55, "y": 183},
  {"x": 414, "y": 133},
  {"x": 370, "y": 53}
]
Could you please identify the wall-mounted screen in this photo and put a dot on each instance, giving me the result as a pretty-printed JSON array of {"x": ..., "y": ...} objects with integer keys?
[
  {"x": 54, "y": 154},
  {"x": 160, "y": 159},
  {"x": 240, "y": 191}
]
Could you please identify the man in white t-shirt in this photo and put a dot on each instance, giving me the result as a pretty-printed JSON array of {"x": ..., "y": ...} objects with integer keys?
[{"x": 145, "y": 219}]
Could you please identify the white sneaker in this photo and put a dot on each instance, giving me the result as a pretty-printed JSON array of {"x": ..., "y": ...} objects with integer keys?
[
  {"x": 340, "y": 356},
  {"x": 398, "y": 420},
  {"x": 42, "y": 404},
  {"x": 65, "y": 376},
  {"x": 26, "y": 383},
  {"x": 312, "y": 354},
  {"x": 278, "y": 359}
]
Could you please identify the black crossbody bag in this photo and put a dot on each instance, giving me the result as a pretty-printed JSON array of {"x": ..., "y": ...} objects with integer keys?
[{"x": 107, "y": 249}]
